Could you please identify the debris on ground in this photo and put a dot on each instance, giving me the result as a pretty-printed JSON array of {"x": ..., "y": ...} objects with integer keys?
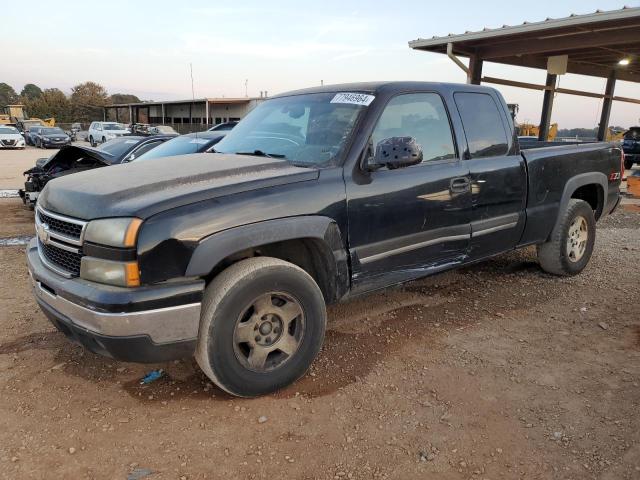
[{"x": 152, "y": 376}]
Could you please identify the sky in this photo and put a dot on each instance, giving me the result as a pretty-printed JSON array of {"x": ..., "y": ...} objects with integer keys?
[{"x": 145, "y": 48}]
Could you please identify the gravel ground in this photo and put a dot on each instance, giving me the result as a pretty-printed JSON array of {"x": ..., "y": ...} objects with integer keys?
[
  {"x": 493, "y": 371},
  {"x": 14, "y": 162}
]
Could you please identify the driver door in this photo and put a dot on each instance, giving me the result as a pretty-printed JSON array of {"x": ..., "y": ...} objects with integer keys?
[{"x": 409, "y": 222}]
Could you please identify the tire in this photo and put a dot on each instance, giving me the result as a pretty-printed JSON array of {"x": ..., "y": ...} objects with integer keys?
[
  {"x": 628, "y": 163},
  {"x": 569, "y": 249},
  {"x": 233, "y": 310},
  {"x": 104, "y": 139},
  {"x": 91, "y": 141}
]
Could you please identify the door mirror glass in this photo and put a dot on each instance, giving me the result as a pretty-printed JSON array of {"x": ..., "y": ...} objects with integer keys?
[{"x": 396, "y": 152}]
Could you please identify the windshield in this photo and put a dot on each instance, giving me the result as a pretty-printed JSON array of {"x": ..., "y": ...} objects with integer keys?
[
  {"x": 118, "y": 146},
  {"x": 177, "y": 146},
  {"x": 8, "y": 130},
  {"x": 52, "y": 131},
  {"x": 309, "y": 129},
  {"x": 113, "y": 126}
]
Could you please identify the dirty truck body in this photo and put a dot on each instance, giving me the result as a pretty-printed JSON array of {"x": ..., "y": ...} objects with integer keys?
[{"x": 233, "y": 255}]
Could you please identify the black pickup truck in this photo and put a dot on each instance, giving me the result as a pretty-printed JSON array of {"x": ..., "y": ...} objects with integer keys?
[{"x": 316, "y": 196}]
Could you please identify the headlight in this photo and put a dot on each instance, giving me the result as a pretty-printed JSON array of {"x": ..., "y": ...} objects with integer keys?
[
  {"x": 111, "y": 232},
  {"x": 122, "y": 274},
  {"x": 115, "y": 232}
]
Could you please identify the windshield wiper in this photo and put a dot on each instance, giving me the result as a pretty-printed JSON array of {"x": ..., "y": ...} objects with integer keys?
[{"x": 260, "y": 153}]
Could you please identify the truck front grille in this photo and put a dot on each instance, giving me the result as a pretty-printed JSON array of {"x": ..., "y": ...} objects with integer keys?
[
  {"x": 60, "y": 242},
  {"x": 61, "y": 259},
  {"x": 63, "y": 227}
]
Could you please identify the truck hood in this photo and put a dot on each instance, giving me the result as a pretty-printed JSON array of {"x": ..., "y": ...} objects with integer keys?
[{"x": 142, "y": 189}]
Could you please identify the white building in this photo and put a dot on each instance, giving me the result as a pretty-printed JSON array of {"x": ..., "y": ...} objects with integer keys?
[{"x": 184, "y": 115}]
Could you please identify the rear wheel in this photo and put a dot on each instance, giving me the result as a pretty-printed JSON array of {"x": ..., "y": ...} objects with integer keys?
[
  {"x": 262, "y": 325},
  {"x": 92, "y": 141},
  {"x": 569, "y": 249}
]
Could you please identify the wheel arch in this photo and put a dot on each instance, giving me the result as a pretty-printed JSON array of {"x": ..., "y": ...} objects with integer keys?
[
  {"x": 583, "y": 187},
  {"x": 314, "y": 243}
]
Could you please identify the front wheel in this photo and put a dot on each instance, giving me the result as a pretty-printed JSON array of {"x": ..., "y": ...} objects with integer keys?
[
  {"x": 570, "y": 246},
  {"x": 91, "y": 141},
  {"x": 628, "y": 163},
  {"x": 262, "y": 325}
]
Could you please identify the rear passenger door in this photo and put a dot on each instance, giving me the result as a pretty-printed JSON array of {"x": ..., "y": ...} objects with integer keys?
[{"x": 497, "y": 171}]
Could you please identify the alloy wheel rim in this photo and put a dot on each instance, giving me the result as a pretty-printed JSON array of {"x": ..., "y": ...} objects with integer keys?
[
  {"x": 577, "y": 239},
  {"x": 268, "y": 332}
]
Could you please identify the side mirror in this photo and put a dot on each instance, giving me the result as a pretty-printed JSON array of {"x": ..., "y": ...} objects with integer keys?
[{"x": 395, "y": 152}]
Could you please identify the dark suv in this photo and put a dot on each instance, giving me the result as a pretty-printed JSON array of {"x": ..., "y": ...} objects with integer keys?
[{"x": 631, "y": 147}]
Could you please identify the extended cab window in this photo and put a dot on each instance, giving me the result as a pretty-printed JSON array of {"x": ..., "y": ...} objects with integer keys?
[
  {"x": 421, "y": 116},
  {"x": 482, "y": 124}
]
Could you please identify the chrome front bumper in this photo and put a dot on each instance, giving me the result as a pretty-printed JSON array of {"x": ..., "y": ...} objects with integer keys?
[{"x": 134, "y": 324}]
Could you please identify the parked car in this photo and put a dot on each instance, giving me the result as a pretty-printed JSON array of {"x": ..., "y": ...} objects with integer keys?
[
  {"x": 129, "y": 148},
  {"x": 10, "y": 137},
  {"x": 74, "y": 130},
  {"x": 162, "y": 130},
  {"x": 185, "y": 144},
  {"x": 315, "y": 197},
  {"x": 100, "y": 132},
  {"x": 223, "y": 127},
  {"x": 31, "y": 134},
  {"x": 25, "y": 126},
  {"x": 631, "y": 147},
  {"x": 50, "y": 137},
  {"x": 77, "y": 159}
]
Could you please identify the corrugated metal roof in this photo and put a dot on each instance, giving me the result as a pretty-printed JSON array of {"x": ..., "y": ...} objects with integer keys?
[{"x": 572, "y": 20}]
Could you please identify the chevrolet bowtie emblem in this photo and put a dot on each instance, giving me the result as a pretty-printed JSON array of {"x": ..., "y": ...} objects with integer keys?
[{"x": 43, "y": 233}]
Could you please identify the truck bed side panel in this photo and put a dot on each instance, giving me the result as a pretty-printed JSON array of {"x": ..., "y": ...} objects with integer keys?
[{"x": 556, "y": 172}]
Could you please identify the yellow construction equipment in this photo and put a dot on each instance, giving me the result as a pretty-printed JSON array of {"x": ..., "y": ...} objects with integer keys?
[
  {"x": 531, "y": 130},
  {"x": 15, "y": 114},
  {"x": 615, "y": 134}
]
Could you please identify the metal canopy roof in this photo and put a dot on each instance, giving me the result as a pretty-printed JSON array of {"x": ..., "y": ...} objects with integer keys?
[{"x": 594, "y": 42}]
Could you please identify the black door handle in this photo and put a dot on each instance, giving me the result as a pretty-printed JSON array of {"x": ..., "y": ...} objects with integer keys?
[{"x": 460, "y": 185}]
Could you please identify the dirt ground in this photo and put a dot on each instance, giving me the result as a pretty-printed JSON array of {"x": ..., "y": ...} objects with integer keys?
[
  {"x": 490, "y": 372},
  {"x": 14, "y": 162}
]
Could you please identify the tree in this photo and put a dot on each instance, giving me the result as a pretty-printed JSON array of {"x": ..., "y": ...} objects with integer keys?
[
  {"x": 52, "y": 103},
  {"x": 30, "y": 92},
  {"x": 118, "y": 98},
  {"x": 7, "y": 95},
  {"x": 87, "y": 100}
]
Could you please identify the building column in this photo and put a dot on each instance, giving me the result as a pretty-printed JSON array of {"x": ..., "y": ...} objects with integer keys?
[
  {"x": 206, "y": 113},
  {"x": 606, "y": 106},
  {"x": 474, "y": 76},
  {"x": 130, "y": 114},
  {"x": 163, "y": 116},
  {"x": 547, "y": 107}
]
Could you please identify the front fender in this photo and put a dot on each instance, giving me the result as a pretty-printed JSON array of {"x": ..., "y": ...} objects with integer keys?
[{"x": 214, "y": 249}]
